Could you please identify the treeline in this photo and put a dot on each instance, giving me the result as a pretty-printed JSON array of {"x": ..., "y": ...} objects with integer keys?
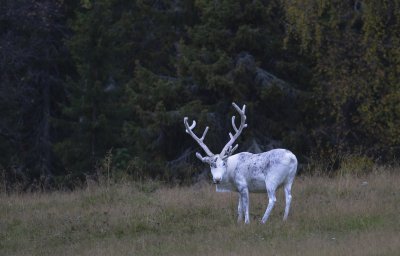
[{"x": 103, "y": 85}]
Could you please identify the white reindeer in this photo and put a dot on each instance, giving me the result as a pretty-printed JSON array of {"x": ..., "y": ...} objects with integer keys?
[{"x": 246, "y": 172}]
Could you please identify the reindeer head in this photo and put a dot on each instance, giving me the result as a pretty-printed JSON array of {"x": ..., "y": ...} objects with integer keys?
[
  {"x": 217, "y": 166},
  {"x": 218, "y": 162}
]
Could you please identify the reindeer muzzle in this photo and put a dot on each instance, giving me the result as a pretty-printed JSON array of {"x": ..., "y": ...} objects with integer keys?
[{"x": 216, "y": 181}]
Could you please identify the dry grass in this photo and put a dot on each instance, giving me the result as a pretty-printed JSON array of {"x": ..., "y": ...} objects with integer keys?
[{"x": 329, "y": 216}]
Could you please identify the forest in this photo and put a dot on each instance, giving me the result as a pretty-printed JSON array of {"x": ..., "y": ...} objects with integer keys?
[{"x": 101, "y": 87}]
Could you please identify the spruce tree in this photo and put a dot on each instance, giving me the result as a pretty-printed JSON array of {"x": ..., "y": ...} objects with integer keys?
[
  {"x": 235, "y": 52},
  {"x": 356, "y": 72},
  {"x": 33, "y": 65}
]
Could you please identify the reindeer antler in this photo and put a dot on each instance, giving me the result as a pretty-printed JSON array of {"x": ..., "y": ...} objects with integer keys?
[
  {"x": 189, "y": 130},
  {"x": 228, "y": 149}
]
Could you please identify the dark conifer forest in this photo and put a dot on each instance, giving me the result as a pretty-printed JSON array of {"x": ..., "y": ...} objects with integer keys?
[{"x": 101, "y": 87}]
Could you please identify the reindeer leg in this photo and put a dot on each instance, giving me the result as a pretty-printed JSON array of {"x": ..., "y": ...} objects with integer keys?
[
  {"x": 288, "y": 197},
  {"x": 244, "y": 194},
  {"x": 240, "y": 209},
  {"x": 271, "y": 202}
]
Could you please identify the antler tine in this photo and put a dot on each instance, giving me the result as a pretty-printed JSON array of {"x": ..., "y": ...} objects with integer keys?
[
  {"x": 189, "y": 130},
  {"x": 192, "y": 126},
  {"x": 228, "y": 150},
  {"x": 233, "y": 124},
  {"x": 231, "y": 150},
  {"x": 204, "y": 134}
]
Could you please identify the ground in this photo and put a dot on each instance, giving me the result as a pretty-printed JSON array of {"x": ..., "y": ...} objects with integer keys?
[{"x": 344, "y": 215}]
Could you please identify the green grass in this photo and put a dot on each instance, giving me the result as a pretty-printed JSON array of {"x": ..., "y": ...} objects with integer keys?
[{"x": 329, "y": 216}]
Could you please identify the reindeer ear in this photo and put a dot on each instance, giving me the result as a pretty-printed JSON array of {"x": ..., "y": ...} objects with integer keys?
[{"x": 203, "y": 159}]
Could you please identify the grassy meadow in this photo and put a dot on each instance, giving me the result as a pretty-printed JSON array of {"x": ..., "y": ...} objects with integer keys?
[{"x": 344, "y": 215}]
